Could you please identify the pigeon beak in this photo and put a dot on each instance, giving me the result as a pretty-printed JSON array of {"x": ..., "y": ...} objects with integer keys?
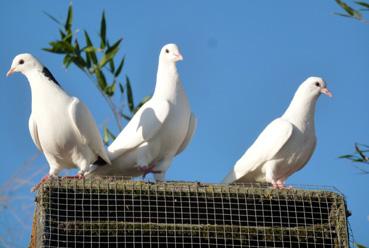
[
  {"x": 10, "y": 72},
  {"x": 325, "y": 91},
  {"x": 178, "y": 56}
]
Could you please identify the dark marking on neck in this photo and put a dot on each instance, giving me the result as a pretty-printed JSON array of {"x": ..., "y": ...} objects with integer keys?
[
  {"x": 50, "y": 76},
  {"x": 100, "y": 161}
]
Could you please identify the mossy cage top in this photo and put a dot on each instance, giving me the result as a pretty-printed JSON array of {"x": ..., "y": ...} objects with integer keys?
[{"x": 123, "y": 213}]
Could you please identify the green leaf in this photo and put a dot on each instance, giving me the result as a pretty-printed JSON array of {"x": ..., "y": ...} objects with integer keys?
[
  {"x": 346, "y": 156},
  {"x": 103, "y": 31},
  {"x": 361, "y": 153},
  {"x": 343, "y": 15},
  {"x": 67, "y": 38},
  {"x": 357, "y": 245},
  {"x": 143, "y": 101},
  {"x": 121, "y": 88},
  {"x": 352, "y": 12},
  {"x": 76, "y": 47},
  {"x": 68, "y": 21},
  {"x": 62, "y": 34},
  {"x": 88, "y": 61},
  {"x": 111, "y": 66},
  {"x": 120, "y": 67},
  {"x": 108, "y": 136},
  {"x": 130, "y": 100},
  {"x": 61, "y": 47},
  {"x": 110, "y": 53},
  {"x": 79, "y": 61},
  {"x": 52, "y": 18},
  {"x": 126, "y": 117},
  {"x": 67, "y": 61},
  {"x": 90, "y": 50},
  {"x": 110, "y": 90},
  {"x": 363, "y": 4},
  {"x": 51, "y": 50},
  {"x": 100, "y": 79}
]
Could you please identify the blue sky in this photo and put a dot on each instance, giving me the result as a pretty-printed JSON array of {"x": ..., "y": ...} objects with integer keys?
[{"x": 242, "y": 63}]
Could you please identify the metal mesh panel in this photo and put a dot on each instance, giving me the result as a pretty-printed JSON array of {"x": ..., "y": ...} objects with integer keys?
[{"x": 122, "y": 213}]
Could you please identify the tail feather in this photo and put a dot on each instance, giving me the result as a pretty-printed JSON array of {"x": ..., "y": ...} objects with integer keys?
[
  {"x": 100, "y": 161},
  {"x": 230, "y": 178}
]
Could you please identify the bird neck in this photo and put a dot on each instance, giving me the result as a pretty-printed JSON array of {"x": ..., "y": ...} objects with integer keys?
[
  {"x": 167, "y": 81},
  {"x": 301, "y": 111},
  {"x": 42, "y": 88}
]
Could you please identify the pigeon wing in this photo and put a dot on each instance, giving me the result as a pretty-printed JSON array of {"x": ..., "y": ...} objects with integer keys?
[
  {"x": 265, "y": 147},
  {"x": 85, "y": 127},
  {"x": 191, "y": 130},
  {"x": 141, "y": 128},
  {"x": 34, "y": 132}
]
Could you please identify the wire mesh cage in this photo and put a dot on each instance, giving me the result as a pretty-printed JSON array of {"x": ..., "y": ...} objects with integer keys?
[{"x": 123, "y": 213}]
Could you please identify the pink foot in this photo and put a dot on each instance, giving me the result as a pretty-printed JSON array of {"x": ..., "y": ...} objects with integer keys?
[
  {"x": 78, "y": 176},
  {"x": 280, "y": 185},
  {"x": 148, "y": 169},
  {"x": 37, "y": 186}
]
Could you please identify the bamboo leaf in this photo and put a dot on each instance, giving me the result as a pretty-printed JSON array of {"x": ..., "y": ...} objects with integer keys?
[
  {"x": 110, "y": 90},
  {"x": 143, "y": 101},
  {"x": 67, "y": 37},
  {"x": 121, "y": 88},
  {"x": 108, "y": 136},
  {"x": 88, "y": 61},
  {"x": 111, "y": 66},
  {"x": 120, "y": 67},
  {"x": 68, "y": 21},
  {"x": 103, "y": 31},
  {"x": 61, "y": 47},
  {"x": 343, "y": 15},
  {"x": 363, "y": 4},
  {"x": 126, "y": 117},
  {"x": 130, "y": 99},
  {"x": 62, "y": 34},
  {"x": 357, "y": 245},
  {"x": 349, "y": 10},
  {"x": 100, "y": 79},
  {"x": 90, "y": 50},
  {"x": 67, "y": 61},
  {"x": 79, "y": 61},
  {"x": 110, "y": 53},
  {"x": 346, "y": 156},
  {"x": 52, "y": 18}
]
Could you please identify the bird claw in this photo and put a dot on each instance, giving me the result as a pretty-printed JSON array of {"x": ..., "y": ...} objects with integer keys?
[
  {"x": 78, "y": 176},
  {"x": 148, "y": 169},
  {"x": 280, "y": 185}
]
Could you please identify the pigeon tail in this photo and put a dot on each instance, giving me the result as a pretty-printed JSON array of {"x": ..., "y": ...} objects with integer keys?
[
  {"x": 230, "y": 178},
  {"x": 100, "y": 161}
]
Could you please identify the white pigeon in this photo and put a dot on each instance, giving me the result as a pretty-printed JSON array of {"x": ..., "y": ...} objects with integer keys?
[
  {"x": 159, "y": 130},
  {"x": 286, "y": 144},
  {"x": 61, "y": 126}
]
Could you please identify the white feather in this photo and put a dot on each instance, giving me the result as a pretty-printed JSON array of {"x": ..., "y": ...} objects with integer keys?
[
  {"x": 161, "y": 129},
  {"x": 60, "y": 125},
  {"x": 286, "y": 144}
]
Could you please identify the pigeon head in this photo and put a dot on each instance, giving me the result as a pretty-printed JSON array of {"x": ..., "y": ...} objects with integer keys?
[
  {"x": 23, "y": 63},
  {"x": 314, "y": 86},
  {"x": 170, "y": 53}
]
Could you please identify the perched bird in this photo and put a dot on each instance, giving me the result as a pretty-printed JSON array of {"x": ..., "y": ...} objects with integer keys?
[
  {"x": 159, "y": 130},
  {"x": 286, "y": 144},
  {"x": 61, "y": 126}
]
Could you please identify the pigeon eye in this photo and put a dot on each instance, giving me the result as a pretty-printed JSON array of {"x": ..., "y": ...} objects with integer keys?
[
  {"x": 167, "y": 50},
  {"x": 317, "y": 84},
  {"x": 21, "y": 61}
]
